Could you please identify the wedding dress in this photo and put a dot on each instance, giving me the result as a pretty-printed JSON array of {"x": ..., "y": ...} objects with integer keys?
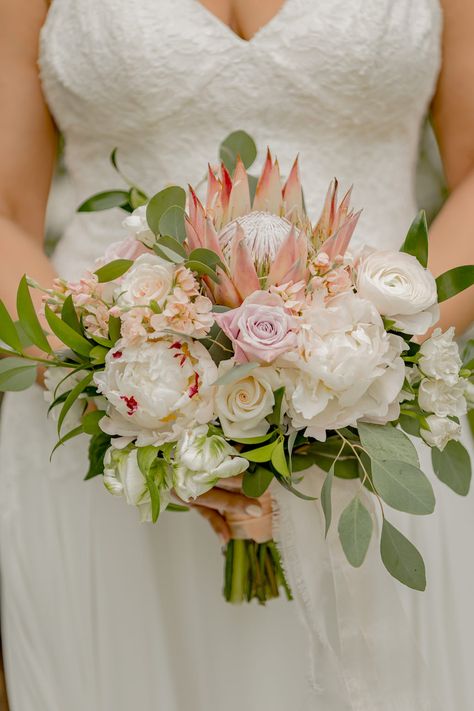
[{"x": 102, "y": 613}]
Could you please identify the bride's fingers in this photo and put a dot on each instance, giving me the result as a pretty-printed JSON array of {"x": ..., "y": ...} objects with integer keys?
[
  {"x": 217, "y": 522},
  {"x": 232, "y": 483},
  {"x": 230, "y": 502}
]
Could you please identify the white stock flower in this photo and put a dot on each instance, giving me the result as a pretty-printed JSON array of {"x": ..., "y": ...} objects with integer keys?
[
  {"x": 156, "y": 389},
  {"x": 201, "y": 460},
  {"x": 441, "y": 431},
  {"x": 243, "y": 405},
  {"x": 400, "y": 289},
  {"x": 442, "y": 399},
  {"x": 123, "y": 477},
  {"x": 439, "y": 357},
  {"x": 351, "y": 367},
  {"x": 137, "y": 225},
  {"x": 149, "y": 279}
]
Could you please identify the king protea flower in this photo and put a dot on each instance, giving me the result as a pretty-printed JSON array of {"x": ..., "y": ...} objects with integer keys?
[{"x": 265, "y": 242}]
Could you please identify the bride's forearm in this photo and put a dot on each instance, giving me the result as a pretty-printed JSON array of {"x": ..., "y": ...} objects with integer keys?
[{"x": 452, "y": 244}]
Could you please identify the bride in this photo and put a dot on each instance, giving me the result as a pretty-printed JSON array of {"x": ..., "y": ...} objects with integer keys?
[{"x": 100, "y": 612}]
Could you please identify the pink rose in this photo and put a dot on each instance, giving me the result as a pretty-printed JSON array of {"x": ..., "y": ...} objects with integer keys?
[{"x": 260, "y": 329}]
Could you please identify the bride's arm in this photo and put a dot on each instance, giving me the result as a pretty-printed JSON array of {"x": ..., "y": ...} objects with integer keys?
[{"x": 452, "y": 233}]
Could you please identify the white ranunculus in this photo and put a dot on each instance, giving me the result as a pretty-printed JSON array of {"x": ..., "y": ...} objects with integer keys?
[
  {"x": 149, "y": 279},
  {"x": 157, "y": 389},
  {"x": 201, "y": 460},
  {"x": 400, "y": 289},
  {"x": 243, "y": 405},
  {"x": 441, "y": 431},
  {"x": 442, "y": 399},
  {"x": 136, "y": 224},
  {"x": 351, "y": 367},
  {"x": 439, "y": 357}
]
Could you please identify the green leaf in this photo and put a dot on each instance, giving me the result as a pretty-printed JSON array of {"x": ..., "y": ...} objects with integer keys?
[
  {"x": 104, "y": 201},
  {"x": 72, "y": 397},
  {"x": 403, "y": 486},
  {"x": 155, "y": 499},
  {"x": 172, "y": 223},
  {"x": 66, "y": 334},
  {"x": 113, "y": 270},
  {"x": 202, "y": 269},
  {"x": 29, "y": 319},
  {"x": 65, "y": 438},
  {"x": 16, "y": 374},
  {"x": 401, "y": 558},
  {"x": 90, "y": 422},
  {"x": 253, "y": 181},
  {"x": 256, "y": 483},
  {"x": 253, "y": 440},
  {"x": 326, "y": 501},
  {"x": 355, "y": 531},
  {"x": 8, "y": 332},
  {"x": 468, "y": 355},
  {"x": 261, "y": 454},
  {"x": 237, "y": 143},
  {"x": 237, "y": 372},
  {"x": 170, "y": 243},
  {"x": 114, "y": 328},
  {"x": 161, "y": 202},
  {"x": 97, "y": 355},
  {"x": 409, "y": 424},
  {"x": 146, "y": 457},
  {"x": 98, "y": 445},
  {"x": 453, "y": 467},
  {"x": 346, "y": 468},
  {"x": 279, "y": 458},
  {"x": 416, "y": 241},
  {"x": 275, "y": 417},
  {"x": 386, "y": 442},
  {"x": 286, "y": 484},
  {"x": 454, "y": 281},
  {"x": 177, "y": 507},
  {"x": 69, "y": 315},
  {"x": 137, "y": 198},
  {"x": 212, "y": 259}
]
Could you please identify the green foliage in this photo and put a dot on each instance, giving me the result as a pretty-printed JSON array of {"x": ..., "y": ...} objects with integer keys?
[
  {"x": 355, "y": 531},
  {"x": 69, "y": 315},
  {"x": 236, "y": 373},
  {"x": 255, "y": 483},
  {"x": 453, "y": 467},
  {"x": 161, "y": 202},
  {"x": 260, "y": 454},
  {"x": 172, "y": 223},
  {"x": 326, "y": 499},
  {"x": 72, "y": 397},
  {"x": 8, "y": 331},
  {"x": 416, "y": 241},
  {"x": 454, "y": 281},
  {"x": 468, "y": 355},
  {"x": 386, "y": 442},
  {"x": 113, "y": 270},
  {"x": 114, "y": 328},
  {"x": 98, "y": 445},
  {"x": 28, "y": 318},
  {"x": 67, "y": 335},
  {"x": 146, "y": 457},
  {"x": 403, "y": 486},
  {"x": 202, "y": 269},
  {"x": 237, "y": 143},
  {"x": 169, "y": 248},
  {"x": 206, "y": 256},
  {"x": 137, "y": 198},
  {"x": 278, "y": 458},
  {"x": 275, "y": 417},
  {"x": 105, "y": 201},
  {"x": 16, "y": 374},
  {"x": 90, "y": 422},
  {"x": 401, "y": 558}
]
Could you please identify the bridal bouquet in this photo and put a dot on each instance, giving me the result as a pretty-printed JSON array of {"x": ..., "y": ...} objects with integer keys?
[{"x": 233, "y": 337}]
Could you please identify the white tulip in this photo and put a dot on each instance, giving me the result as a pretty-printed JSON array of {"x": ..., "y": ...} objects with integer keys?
[
  {"x": 443, "y": 399},
  {"x": 439, "y": 357},
  {"x": 400, "y": 289},
  {"x": 201, "y": 460},
  {"x": 441, "y": 431}
]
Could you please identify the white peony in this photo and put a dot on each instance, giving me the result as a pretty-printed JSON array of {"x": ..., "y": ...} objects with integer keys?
[
  {"x": 149, "y": 279},
  {"x": 123, "y": 477},
  {"x": 156, "y": 390},
  {"x": 243, "y": 405},
  {"x": 201, "y": 460},
  {"x": 439, "y": 357},
  {"x": 400, "y": 289},
  {"x": 351, "y": 367},
  {"x": 136, "y": 224},
  {"x": 441, "y": 431},
  {"x": 442, "y": 399}
]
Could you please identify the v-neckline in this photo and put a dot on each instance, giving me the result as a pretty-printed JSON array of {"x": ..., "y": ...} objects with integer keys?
[{"x": 274, "y": 19}]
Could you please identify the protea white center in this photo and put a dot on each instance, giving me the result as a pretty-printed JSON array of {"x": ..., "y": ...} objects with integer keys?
[{"x": 263, "y": 233}]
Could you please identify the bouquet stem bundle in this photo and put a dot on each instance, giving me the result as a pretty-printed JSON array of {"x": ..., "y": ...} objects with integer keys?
[{"x": 253, "y": 571}]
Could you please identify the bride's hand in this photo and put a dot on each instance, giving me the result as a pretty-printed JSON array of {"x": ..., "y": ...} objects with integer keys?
[{"x": 232, "y": 514}]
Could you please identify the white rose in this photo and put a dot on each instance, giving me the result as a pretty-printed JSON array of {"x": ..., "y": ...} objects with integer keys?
[
  {"x": 400, "y": 289},
  {"x": 149, "y": 279},
  {"x": 123, "y": 477},
  {"x": 439, "y": 356},
  {"x": 137, "y": 225},
  {"x": 201, "y": 460},
  {"x": 441, "y": 431},
  {"x": 441, "y": 398},
  {"x": 351, "y": 367},
  {"x": 157, "y": 389},
  {"x": 243, "y": 405}
]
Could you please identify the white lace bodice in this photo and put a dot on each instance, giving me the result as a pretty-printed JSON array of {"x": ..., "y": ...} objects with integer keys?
[{"x": 344, "y": 83}]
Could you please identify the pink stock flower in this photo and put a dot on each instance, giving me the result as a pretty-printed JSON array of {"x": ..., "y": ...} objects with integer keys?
[
  {"x": 260, "y": 329},
  {"x": 193, "y": 318}
]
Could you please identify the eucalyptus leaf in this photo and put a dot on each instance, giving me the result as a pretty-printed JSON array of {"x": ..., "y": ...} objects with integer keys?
[
  {"x": 237, "y": 372},
  {"x": 28, "y": 318},
  {"x": 454, "y": 281},
  {"x": 256, "y": 483},
  {"x": 326, "y": 499},
  {"x": 453, "y": 467},
  {"x": 410, "y": 424},
  {"x": 202, "y": 269},
  {"x": 16, "y": 374},
  {"x": 172, "y": 223},
  {"x": 401, "y": 558},
  {"x": 169, "y": 242},
  {"x": 8, "y": 331},
  {"x": 104, "y": 201},
  {"x": 67, "y": 335},
  {"x": 403, "y": 486},
  {"x": 113, "y": 270},
  {"x": 170, "y": 255},
  {"x": 253, "y": 181},
  {"x": 416, "y": 241},
  {"x": 237, "y": 143},
  {"x": 160, "y": 203},
  {"x": 386, "y": 442},
  {"x": 212, "y": 259},
  {"x": 355, "y": 531},
  {"x": 137, "y": 198}
]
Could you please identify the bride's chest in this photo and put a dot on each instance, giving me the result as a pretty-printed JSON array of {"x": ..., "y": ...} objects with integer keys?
[{"x": 144, "y": 60}]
